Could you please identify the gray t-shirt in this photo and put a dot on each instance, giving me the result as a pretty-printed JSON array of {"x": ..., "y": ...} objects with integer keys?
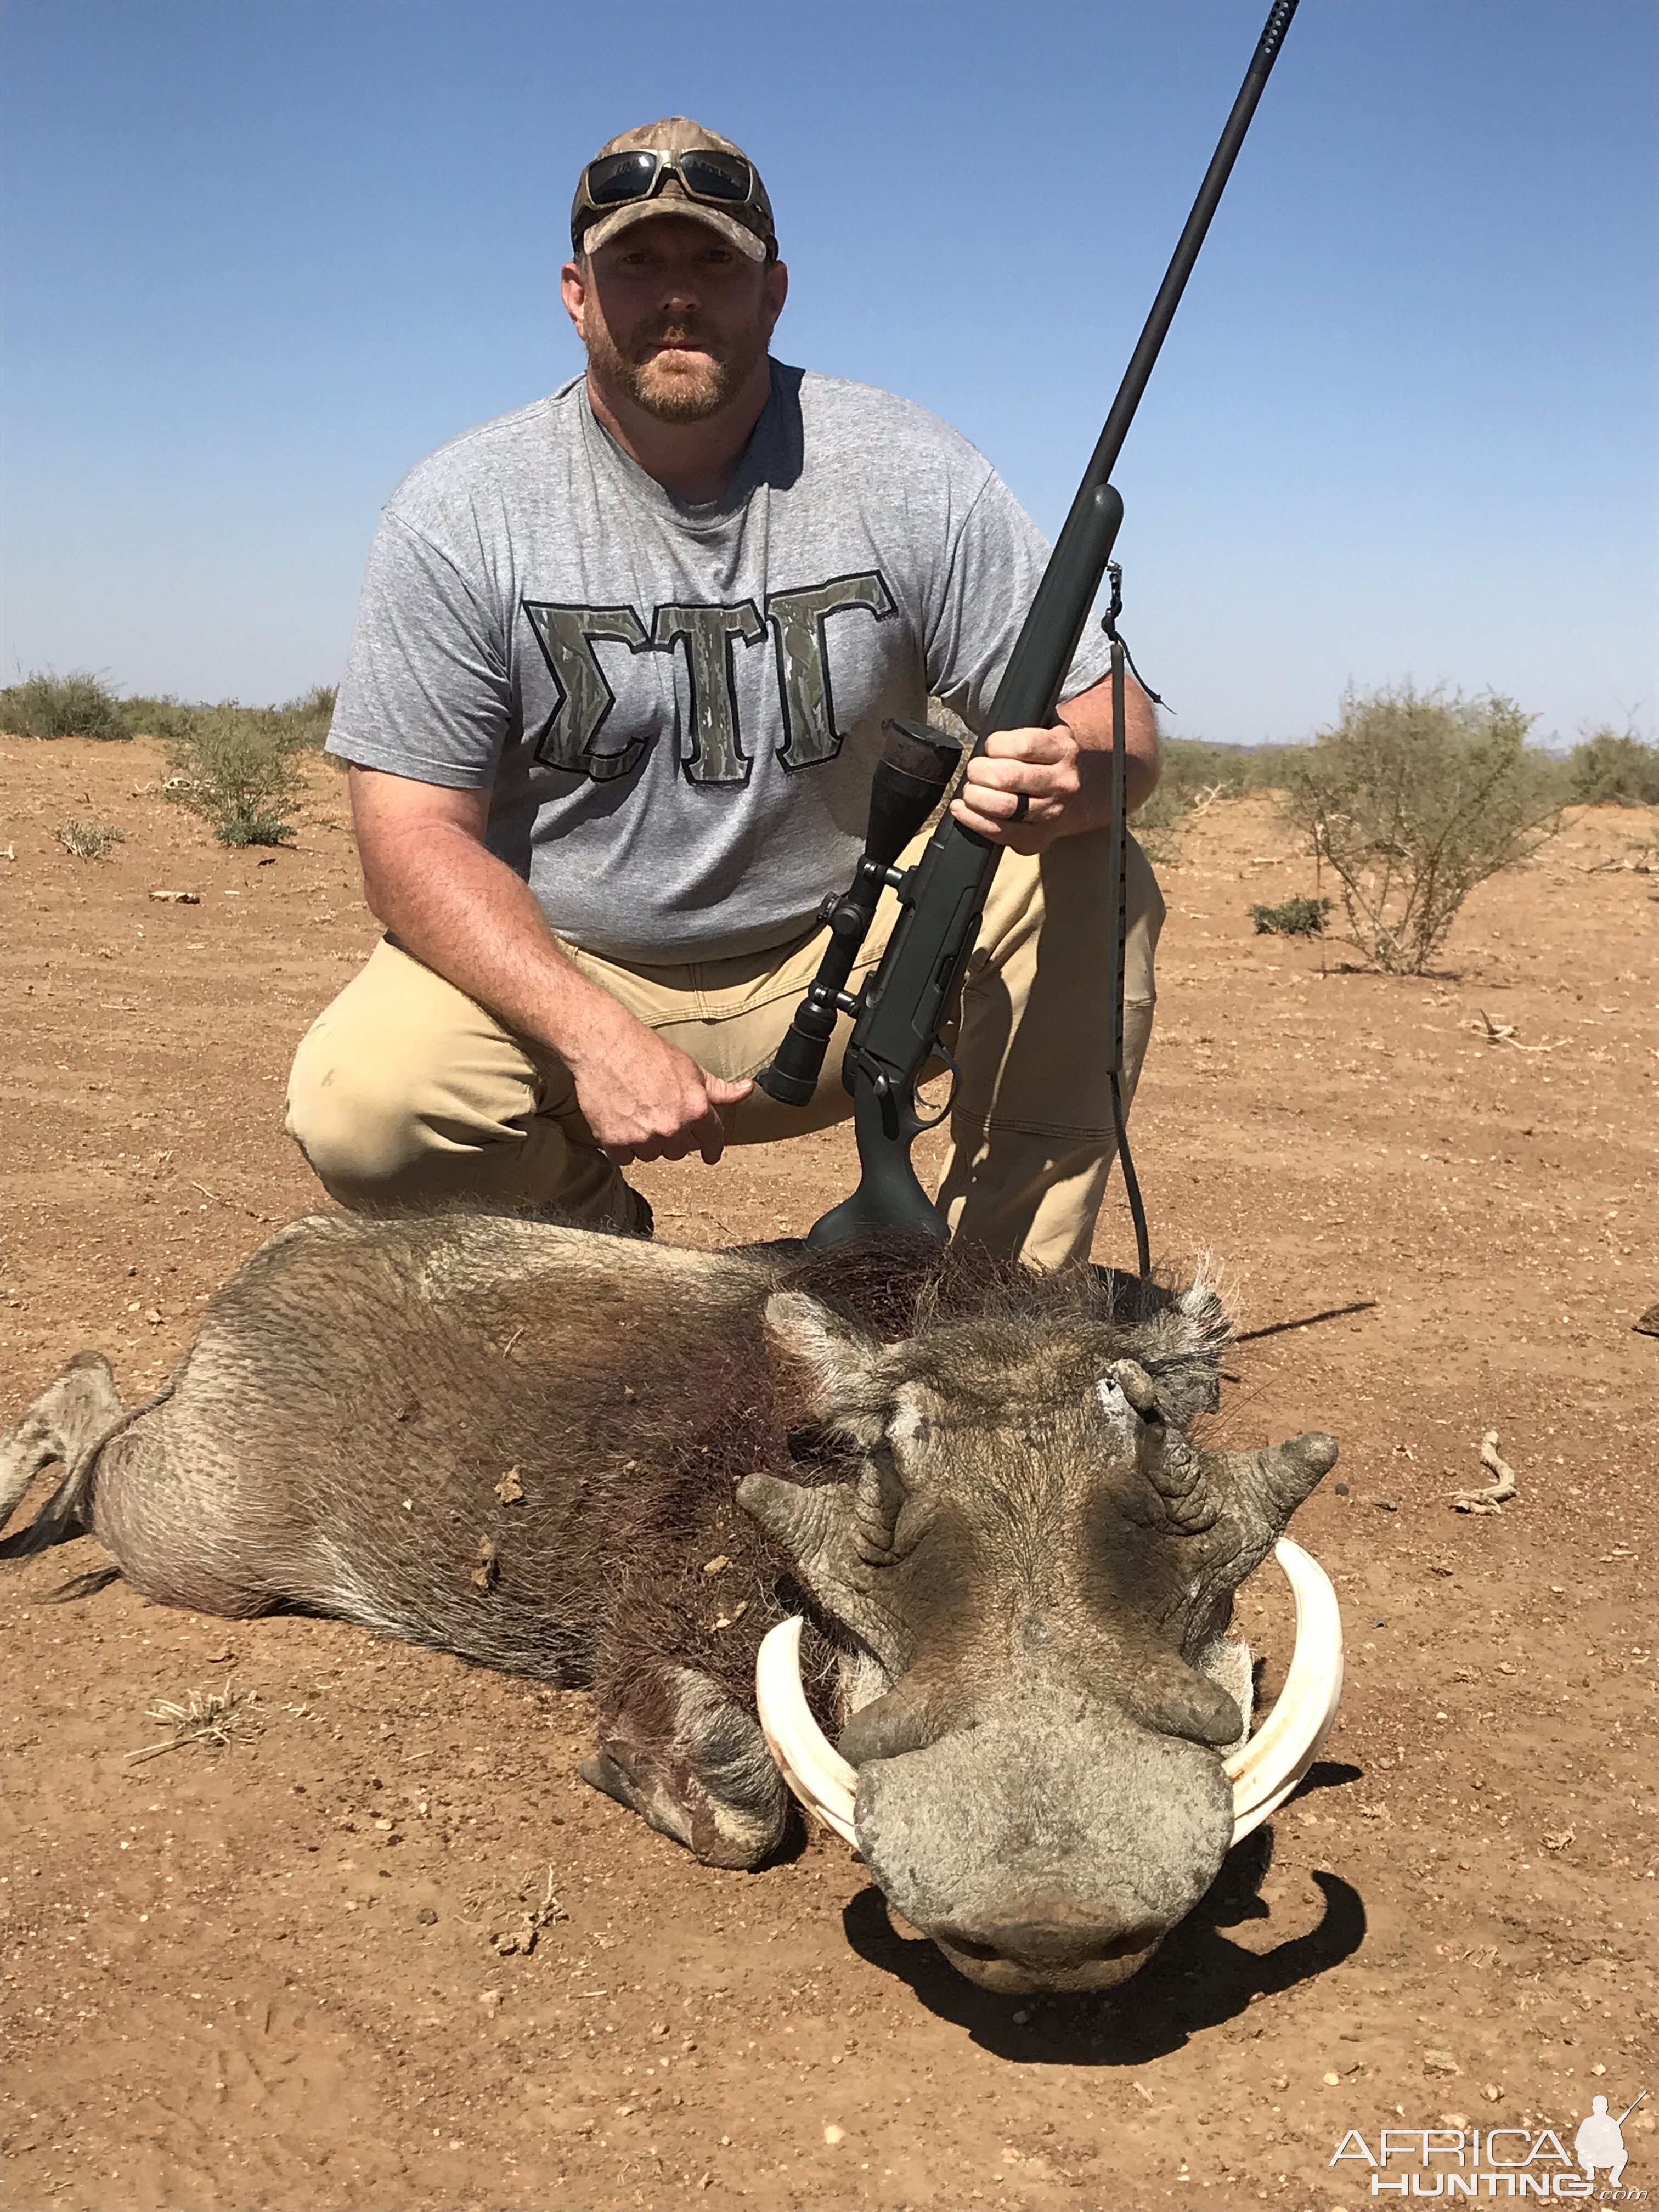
[{"x": 677, "y": 709}]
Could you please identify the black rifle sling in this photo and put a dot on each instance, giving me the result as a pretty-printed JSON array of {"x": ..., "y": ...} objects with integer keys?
[{"x": 1117, "y": 900}]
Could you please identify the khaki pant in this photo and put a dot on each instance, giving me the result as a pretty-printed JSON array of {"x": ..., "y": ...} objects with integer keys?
[{"x": 405, "y": 1090}]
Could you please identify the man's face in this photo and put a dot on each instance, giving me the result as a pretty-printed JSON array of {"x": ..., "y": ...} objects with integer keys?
[{"x": 673, "y": 317}]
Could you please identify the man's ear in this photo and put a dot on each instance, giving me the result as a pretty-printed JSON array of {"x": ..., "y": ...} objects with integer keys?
[
  {"x": 573, "y": 281},
  {"x": 775, "y": 288}
]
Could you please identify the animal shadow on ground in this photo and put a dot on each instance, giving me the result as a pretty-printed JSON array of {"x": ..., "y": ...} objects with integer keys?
[{"x": 1196, "y": 1980}]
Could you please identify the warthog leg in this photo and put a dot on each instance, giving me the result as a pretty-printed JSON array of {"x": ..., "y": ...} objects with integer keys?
[
  {"x": 62, "y": 1427},
  {"x": 676, "y": 1750}
]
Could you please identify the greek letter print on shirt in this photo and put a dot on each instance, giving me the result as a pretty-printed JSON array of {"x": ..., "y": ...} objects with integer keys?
[
  {"x": 711, "y": 634},
  {"x": 634, "y": 682}
]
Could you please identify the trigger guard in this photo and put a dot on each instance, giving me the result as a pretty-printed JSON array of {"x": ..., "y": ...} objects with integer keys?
[{"x": 933, "y": 1121}]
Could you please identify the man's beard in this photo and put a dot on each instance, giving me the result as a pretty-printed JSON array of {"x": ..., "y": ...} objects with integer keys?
[{"x": 676, "y": 387}]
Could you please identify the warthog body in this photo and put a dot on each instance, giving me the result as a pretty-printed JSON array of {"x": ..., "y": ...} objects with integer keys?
[{"x": 604, "y": 1462}]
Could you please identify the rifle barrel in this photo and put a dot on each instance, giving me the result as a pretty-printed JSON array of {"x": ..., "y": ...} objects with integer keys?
[{"x": 1025, "y": 697}]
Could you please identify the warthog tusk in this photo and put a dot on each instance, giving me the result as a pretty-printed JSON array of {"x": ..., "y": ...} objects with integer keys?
[
  {"x": 1263, "y": 1774},
  {"x": 807, "y": 1761},
  {"x": 1267, "y": 1769}
]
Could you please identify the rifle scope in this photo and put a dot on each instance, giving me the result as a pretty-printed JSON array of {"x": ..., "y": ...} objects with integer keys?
[{"x": 916, "y": 763}]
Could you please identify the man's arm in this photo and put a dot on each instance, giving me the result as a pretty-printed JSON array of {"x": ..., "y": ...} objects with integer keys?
[
  {"x": 429, "y": 877},
  {"x": 1066, "y": 772}
]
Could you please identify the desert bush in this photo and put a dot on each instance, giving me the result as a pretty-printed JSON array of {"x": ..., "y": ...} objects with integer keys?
[
  {"x": 45, "y": 705},
  {"x": 89, "y": 841},
  {"x": 1200, "y": 766},
  {"x": 1614, "y": 768},
  {"x": 1158, "y": 825},
  {"x": 234, "y": 767},
  {"x": 1271, "y": 767},
  {"x": 1193, "y": 766},
  {"x": 1297, "y": 917},
  {"x": 310, "y": 716},
  {"x": 1411, "y": 801},
  {"x": 1197, "y": 772},
  {"x": 1192, "y": 775},
  {"x": 303, "y": 722},
  {"x": 166, "y": 717}
]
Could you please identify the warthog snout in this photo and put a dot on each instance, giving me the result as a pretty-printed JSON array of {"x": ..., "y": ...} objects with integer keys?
[{"x": 1042, "y": 1852}]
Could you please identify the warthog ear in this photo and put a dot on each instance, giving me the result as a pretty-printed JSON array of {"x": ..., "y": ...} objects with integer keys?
[{"x": 838, "y": 1356}]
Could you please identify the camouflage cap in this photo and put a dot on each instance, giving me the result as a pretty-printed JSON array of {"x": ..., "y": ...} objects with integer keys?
[{"x": 746, "y": 225}]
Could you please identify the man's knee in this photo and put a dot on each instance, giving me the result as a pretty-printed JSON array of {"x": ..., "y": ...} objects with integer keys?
[
  {"x": 355, "y": 1119},
  {"x": 388, "y": 1125}
]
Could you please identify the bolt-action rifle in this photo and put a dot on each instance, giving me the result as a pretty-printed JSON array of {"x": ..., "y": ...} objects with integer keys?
[{"x": 901, "y": 1008}]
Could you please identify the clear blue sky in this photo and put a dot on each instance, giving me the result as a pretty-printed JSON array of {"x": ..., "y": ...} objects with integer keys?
[{"x": 258, "y": 258}]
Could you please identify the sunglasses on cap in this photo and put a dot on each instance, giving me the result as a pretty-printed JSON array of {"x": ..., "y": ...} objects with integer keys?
[{"x": 723, "y": 180}]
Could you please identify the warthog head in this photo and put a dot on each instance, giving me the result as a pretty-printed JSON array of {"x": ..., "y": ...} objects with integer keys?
[{"x": 1041, "y": 1565}]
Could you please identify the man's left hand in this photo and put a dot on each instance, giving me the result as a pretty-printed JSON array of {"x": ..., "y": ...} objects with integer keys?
[
  {"x": 1064, "y": 773},
  {"x": 1042, "y": 765}
]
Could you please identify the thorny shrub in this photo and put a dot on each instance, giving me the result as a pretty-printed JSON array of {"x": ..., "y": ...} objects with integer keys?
[
  {"x": 45, "y": 705},
  {"x": 235, "y": 766},
  {"x": 1614, "y": 769},
  {"x": 1197, "y": 773},
  {"x": 1411, "y": 801},
  {"x": 303, "y": 721}
]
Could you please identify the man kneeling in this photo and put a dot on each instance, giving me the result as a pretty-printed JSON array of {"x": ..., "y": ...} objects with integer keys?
[{"x": 612, "y": 711}]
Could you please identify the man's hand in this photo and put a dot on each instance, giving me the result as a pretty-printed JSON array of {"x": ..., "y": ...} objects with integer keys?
[
  {"x": 1064, "y": 773},
  {"x": 643, "y": 1098},
  {"x": 429, "y": 875},
  {"x": 1044, "y": 767}
]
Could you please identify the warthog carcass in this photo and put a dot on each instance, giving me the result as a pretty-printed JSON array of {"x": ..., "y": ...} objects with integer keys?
[{"x": 604, "y": 1462}]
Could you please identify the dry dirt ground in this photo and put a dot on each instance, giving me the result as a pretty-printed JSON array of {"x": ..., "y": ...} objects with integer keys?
[{"x": 263, "y": 1975}]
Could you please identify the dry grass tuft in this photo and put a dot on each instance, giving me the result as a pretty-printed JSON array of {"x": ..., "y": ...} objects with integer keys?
[
  {"x": 219, "y": 1718},
  {"x": 89, "y": 841}
]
